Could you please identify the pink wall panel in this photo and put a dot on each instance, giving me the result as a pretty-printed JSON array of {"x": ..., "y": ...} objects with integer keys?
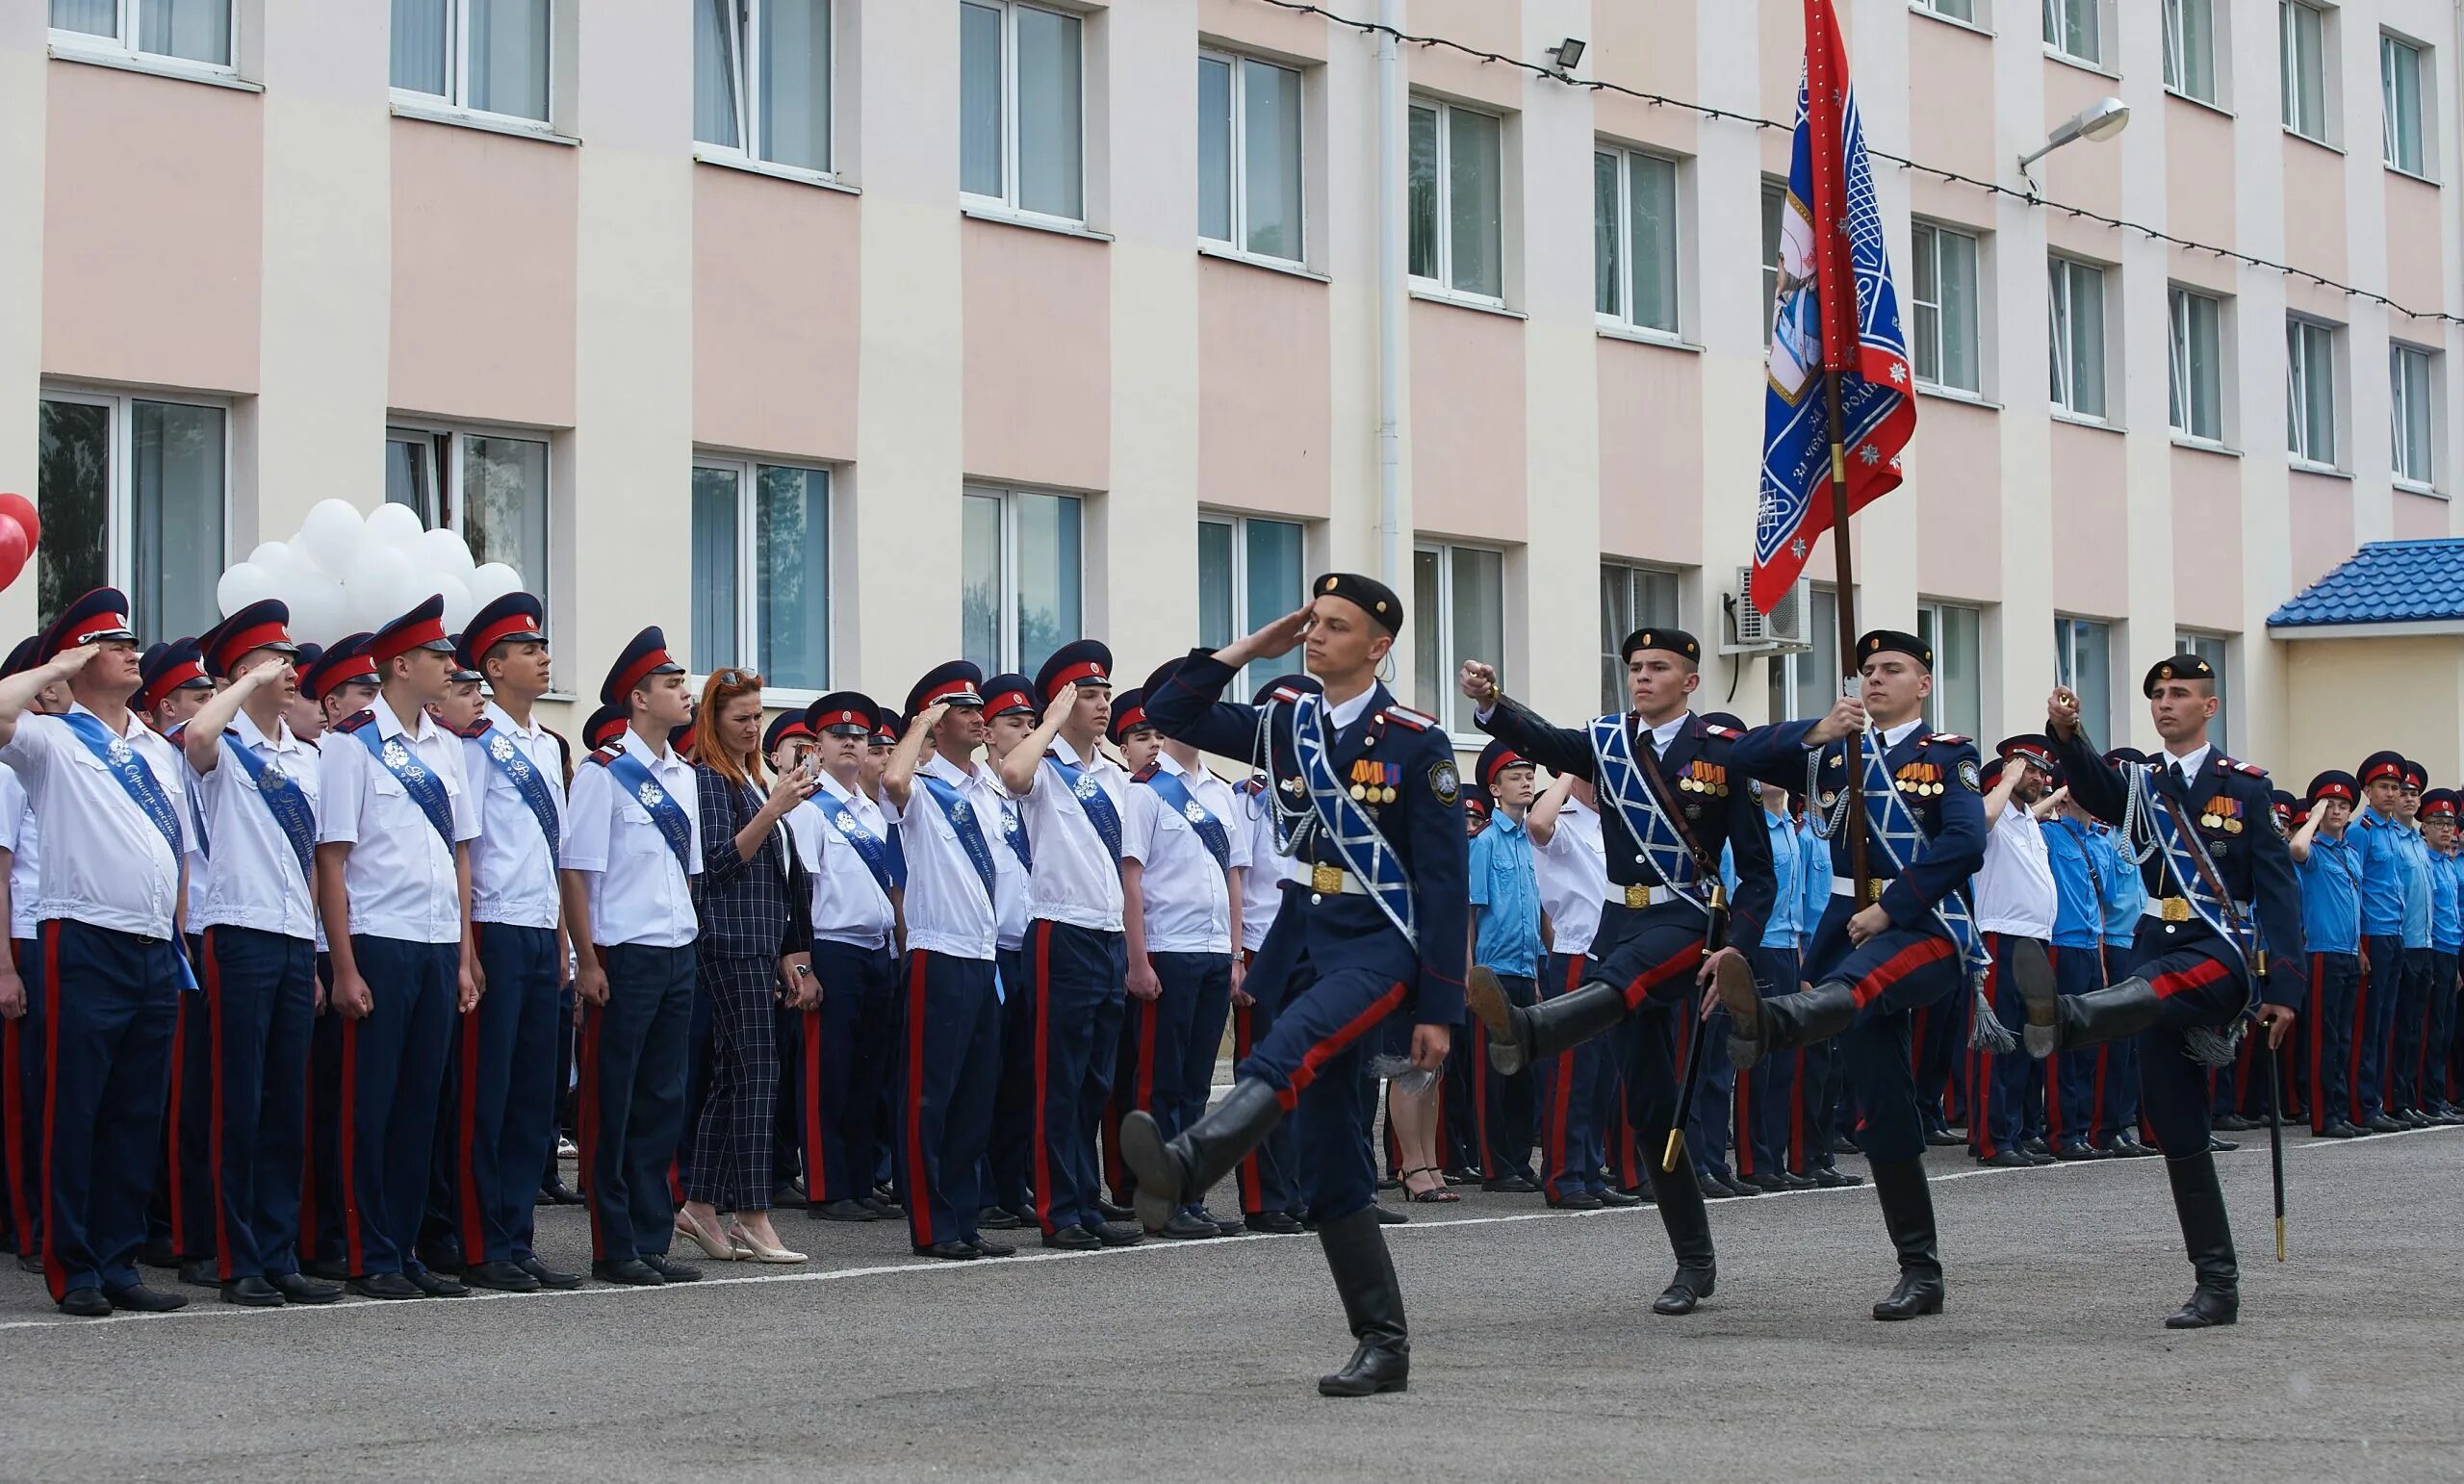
[
  {"x": 2090, "y": 573},
  {"x": 1467, "y": 426},
  {"x": 1266, "y": 408},
  {"x": 1650, "y": 45},
  {"x": 1954, "y": 466},
  {"x": 1650, "y": 454},
  {"x": 2198, "y": 196},
  {"x": 2322, "y": 525},
  {"x": 775, "y": 315},
  {"x": 1291, "y": 32},
  {"x": 1957, "y": 67},
  {"x": 2415, "y": 276},
  {"x": 2207, "y": 540},
  {"x": 2420, "y": 517},
  {"x": 1037, "y": 309},
  {"x": 153, "y": 221},
  {"x": 2314, "y": 208}
]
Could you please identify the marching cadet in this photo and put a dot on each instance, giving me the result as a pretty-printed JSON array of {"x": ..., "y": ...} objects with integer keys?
[
  {"x": 849, "y": 1028},
  {"x": 2016, "y": 903},
  {"x": 1181, "y": 872},
  {"x": 1901, "y": 946},
  {"x": 2382, "y": 938},
  {"x": 2082, "y": 864},
  {"x": 2115, "y": 1081},
  {"x": 1010, "y": 713},
  {"x": 2326, "y": 861},
  {"x": 2438, "y": 815},
  {"x": 2199, "y": 971},
  {"x": 1672, "y": 785},
  {"x": 257, "y": 788},
  {"x": 393, "y": 883},
  {"x": 1505, "y": 942},
  {"x": 2400, "y": 1053},
  {"x": 1073, "y": 797},
  {"x": 111, "y": 881},
  {"x": 1381, "y": 928},
  {"x": 952, "y": 1064},
  {"x": 505, "y": 1121},
  {"x": 21, "y": 1030},
  {"x": 633, "y": 846},
  {"x": 1577, "y": 1089},
  {"x": 1267, "y": 1177},
  {"x": 173, "y": 684},
  {"x": 1767, "y": 1092}
]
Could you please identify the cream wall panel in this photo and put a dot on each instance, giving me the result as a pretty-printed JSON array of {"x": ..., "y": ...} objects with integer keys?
[{"x": 24, "y": 149}]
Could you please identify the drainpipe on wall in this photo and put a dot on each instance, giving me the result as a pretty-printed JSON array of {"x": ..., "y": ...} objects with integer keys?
[{"x": 1390, "y": 297}]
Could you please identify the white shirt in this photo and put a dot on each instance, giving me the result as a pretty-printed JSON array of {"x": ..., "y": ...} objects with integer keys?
[
  {"x": 848, "y": 904},
  {"x": 513, "y": 877},
  {"x": 1892, "y": 736},
  {"x": 2190, "y": 762},
  {"x": 18, "y": 835},
  {"x": 194, "y": 835},
  {"x": 399, "y": 876},
  {"x": 256, "y": 881},
  {"x": 1262, "y": 884},
  {"x": 107, "y": 866},
  {"x": 948, "y": 909},
  {"x": 1666, "y": 732},
  {"x": 638, "y": 894},
  {"x": 1343, "y": 713},
  {"x": 2014, "y": 887},
  {"x": 1010, "y": 874},
  {"x": 1075, "y": 879},
  {"x": 1572, "y": 874},
  {"x": 1188, "y": 897}
]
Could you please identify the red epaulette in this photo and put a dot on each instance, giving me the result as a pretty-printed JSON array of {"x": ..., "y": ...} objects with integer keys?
[
  {"x": 357, "y": 719},
  {"x": 1252, "y": 784},
  {"x": 1724, "y": 733},
  {"x": 2250, "y": 768},
  {"x": 173, "y": 736},
  {"x": 1283, "y": 693},
  {"x": 1946, "y": 738},
  {"x": 1144, "y": 773},
  {"x": 476, "y": 730},
  {"x": 605, "y": 755},
  {"x": 1417, "y": 721}
]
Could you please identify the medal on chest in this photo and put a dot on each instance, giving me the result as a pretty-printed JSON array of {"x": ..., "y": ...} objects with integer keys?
[{"x": 1372, "y": 783}]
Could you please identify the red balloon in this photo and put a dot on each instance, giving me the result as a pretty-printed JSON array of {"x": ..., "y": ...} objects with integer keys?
[
  {"x": 14, "y": 549},
  {"x": 19, "y": 508}
]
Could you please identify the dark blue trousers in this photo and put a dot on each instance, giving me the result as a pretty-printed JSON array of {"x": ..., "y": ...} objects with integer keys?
[
  {"x": 245, "y": 1114},
  {"x": 390, "y": 1078},
  {"x": 1077, "y": 975},
  {"x": 2438, "y": 1028},
  {"x": 1767, "y": 1094},
  {"x": 2070, "y": 1099},
  {"x": 1814, "y": 1106},
  {"x": 1571, "y": 1145},
  {"x": 1892, "y": 974},
  {"x": 1707, "y": 1134},
  {"x": 1937, "y": 1034},
  {"x": 2335, "y": 980},
  {"x": 1013, "y": 1100},
  {"x": 2195, "y": 987},
  {"x": 2114, "y": 1082},
  {"x": 1165, "y": 1065},
  {"x": 2406, "y": 1024},
  {"x": 502, "y": 1124},
  {"x": 633, "y": 1056},
  {"x": 2383, "y": 984},
  {"x": 1266, "y": 1176},
  {"x": 21, "y": 1055},
  {"x": 1504, "y": 1104},
  {"x": 850, "y": 1049},
  {"x": 106, "y": 1060},
  {"x": 321, "y": 1185},
  {"x": 948, "y": 1071},
  {"x": 1195, "y": 1078},
  {"x": 1997, "y": 1085}
]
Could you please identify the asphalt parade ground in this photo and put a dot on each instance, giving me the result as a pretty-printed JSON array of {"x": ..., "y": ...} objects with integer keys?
[{"x": 1534, "y": 1354}]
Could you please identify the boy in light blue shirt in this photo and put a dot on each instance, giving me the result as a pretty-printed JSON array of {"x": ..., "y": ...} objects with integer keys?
[{"x": 1506, "y": 938}]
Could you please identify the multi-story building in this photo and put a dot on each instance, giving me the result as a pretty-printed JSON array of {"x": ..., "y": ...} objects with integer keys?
[{"x": 841, "y": 336}]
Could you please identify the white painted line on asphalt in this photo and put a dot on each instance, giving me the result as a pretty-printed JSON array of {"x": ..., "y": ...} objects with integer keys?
[{"x": 209, "y": 1309}]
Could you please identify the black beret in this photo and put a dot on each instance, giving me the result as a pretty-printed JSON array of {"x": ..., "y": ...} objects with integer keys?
[
  {"x": 2181, "y": 667},
  {"x": 1893, "y": 640},
  {"x": 1675, "y": 641},
  {"x": 1367, "y": 594}
]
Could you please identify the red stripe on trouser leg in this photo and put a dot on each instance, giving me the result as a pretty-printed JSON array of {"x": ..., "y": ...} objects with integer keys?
[
  {"x": 1560, "y": 1107},
  {"x": 1640, "y": 988},
  {"x": 816, "y": 1157},
  {"x": 1043, "y": 1144},
  {"x": 919, "y": 1184},
  {"x": 2206, "y": 971},
  {"x": 1252, "y": 1194},
  {"x": 1898, "y": 967},
  {"x": 216, "y": 1129},
  {"x": 354, "y": 1240},
  {"x": 1334, "y": 1045},
  {"x": 475, "y": 1233},
  {"x": 175, "y": 1181},
  {"x": 52, "y": 1272}
]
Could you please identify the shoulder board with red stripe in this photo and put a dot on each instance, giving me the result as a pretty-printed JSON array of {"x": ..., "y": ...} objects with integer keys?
[
  {"x": 1724, "y": 733},
  {"x": 1284, "y": 693},
  {"x": 476, "y": 730},
  {"x": 1145, "y": 773},
  {"x": 2250, "y": 769},
  {"x": 605, "y": 755},
  {"x": 1417, "y": 721},
  {"x": 1946, "y": 739},
  {"x": 175, "y": 735},
  {"x": 357, "y": 719},
  {"x": 1251, "y": 785}
]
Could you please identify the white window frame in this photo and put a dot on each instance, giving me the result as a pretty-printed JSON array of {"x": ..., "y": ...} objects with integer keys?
[
  {"x": 1772, "y": 198},
  {"x": 1442, "y": 286},
  {"x": 2424, "y": 112},
  {"x": 2066, "y": 661},
  {"x": 120, "y": 516},
  {"x": 2056, "y": 41},
  {"x": 748, "y": 576},
  {"x": 1613, "y": 662},
  {"x": 2059, "y": 313},
  {"x": 2178, "y": 351},
  {"x": 2176, "y": 50},
  {"x": 1937, "y": 8},
  {"x": 2190, "y": 640},
  {"x": 453, "y": 103},
  {"x": 1443, "y": 705},
  {"x": 1006, "y": 204},
  {"x": 120, "y": 49},
  {"x": 445, "y": 485},
  {"x": 2291, "y": 74},
  {"x": 2298, "y": 330},
  {"x": 1623, "y": 318},
  {"x": 1238, "y": 123},
  {"x": 2423, "y": 480},
  {"x": 1243, "y": 619},
  {"x": 1926, "y": 237},
  {"x": 744, "y": 19},
  {"x": 1006, "y": 600},
  {"x": 1790, "y": 672},
  {"x": 1936, "y": 614}
]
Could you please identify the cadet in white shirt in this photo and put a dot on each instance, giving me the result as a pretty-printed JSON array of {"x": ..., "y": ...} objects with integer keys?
[
  {"x": 179, "y": 1231},
  {"x": 394, "y": 885},
  {"x": 632, "y": 847},
  {"x": 2015, "y": 901},
  {"x": 1267, "y": 1180},
  {"x": 21, "y": 1028},
  {"x": 110, "y": 788},
  {"x": 342, "y": 682},
  {"x": 1010, "y": 713},
  {"x": 1077, "y": 960}
]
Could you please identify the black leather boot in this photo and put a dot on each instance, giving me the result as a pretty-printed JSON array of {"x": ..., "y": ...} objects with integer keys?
[
  {"x": 1679, "y": 1195},
  {"x": 1907, "y": 1213},
  {"x": 1173, "y": 1172},
  {"x": 1758, "y": 1027},
  {"x": 2116, "y": 1013},
  {"x": 2208, "y": 1236},
  {"x": 1520, "y": 1035},
  {"x": 1372, "y": 1306}
]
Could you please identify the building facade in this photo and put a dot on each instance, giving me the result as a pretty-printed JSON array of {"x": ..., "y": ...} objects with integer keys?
[{"x": 841, "y": 336}]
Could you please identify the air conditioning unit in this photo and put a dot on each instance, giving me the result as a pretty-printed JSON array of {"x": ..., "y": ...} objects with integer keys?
[{"x": 1781, "y": 631}]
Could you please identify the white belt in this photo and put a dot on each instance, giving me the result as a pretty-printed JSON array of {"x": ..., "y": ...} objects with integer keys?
[
  {"x": 1638, "y": 897},
  {"x": 1846, "y": 887},
  {"x": 1335, "y": 881},
  {"x": 2156, "y": 908}
]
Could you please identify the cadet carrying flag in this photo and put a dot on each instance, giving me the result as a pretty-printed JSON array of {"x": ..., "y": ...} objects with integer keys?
[{"x": 1834, "y": 314}]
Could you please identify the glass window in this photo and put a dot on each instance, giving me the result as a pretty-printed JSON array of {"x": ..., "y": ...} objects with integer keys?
[
  {"x": 1248, "y": 575},
  {"x": 1634, "y": 226},
  {"x": 983, "y": 128},
  {"x": 2190, "y": 48},
  {"x": 2196, "y": 379},
  {"x": 1631, "y": 598},
  {"x": 1804, "y": 685},
  {"x": 1461, "y": 593},
  {"x": 1957, "y": 702},
  {"x": 2077, "y": 303},
  {"x": 1248, "y": 163},
  {"x": 2083, "y": 660},
  {"x": 197, "y": 31},
  {"x": 718, "y": 541},
  {"x": 488, "y": 56},
  {"x": 133, "y": 494},
  {"x": 2310, "y": 391},
  {"x": 2213, "y": 648},
  {"x": 2400, "y": 85},
  {"x": 1944, "y": 282},
  {"x": 2300, "y": 36},
  {"x": 1022, "y": 583},
  {"x": 762, "y": 75},
  {"x": 2412, "y": 412},
  {"x": 1775, "y": 201},
  {"x": 763, "y": 602},
  {"x": 2071, "y": 28},
  {"x": 1456, "y": 208},
  {"x": 490, "y": 487},
  {"x": 1021, "y": 108},
  {"x": 1955, "y": 10}
]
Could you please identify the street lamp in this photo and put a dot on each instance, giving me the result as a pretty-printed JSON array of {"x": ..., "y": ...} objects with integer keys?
[{"x": 2101, "y": 119}]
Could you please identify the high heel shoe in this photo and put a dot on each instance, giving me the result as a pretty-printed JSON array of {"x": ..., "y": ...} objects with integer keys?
[
  {"x": 1436, "y": 1194},
  {"x": 759, "y": 1250},
  {"x": 716, "y": 1248}
]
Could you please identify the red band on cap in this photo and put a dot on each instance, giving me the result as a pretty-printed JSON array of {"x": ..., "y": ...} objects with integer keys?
[
  {"x": 99, "y": 624},
  {"x": 256, "y": 637},
  {"x": 841, "y": 719},
  {"x": 2333, "y": 791},
  {"x": 2438, "y": 810},
  {"x": 1130, "y": 720},
  {"x": 1504, "y": 760},
  {"x": 1088, "y": 670},
  {"x": 2393, "y": 770},
  {"x": 186, "y": 672},
  {"x": 1008, "y": 700},
  {"x": 640, "y": 670},
  {"x": 957, "y": 687},
  {"x": 400, "y": 642},
  {"x": 496, "y": 633}
]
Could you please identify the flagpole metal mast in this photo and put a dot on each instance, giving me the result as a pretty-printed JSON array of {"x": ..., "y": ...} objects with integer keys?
[{"x": 1845, "y": 574}]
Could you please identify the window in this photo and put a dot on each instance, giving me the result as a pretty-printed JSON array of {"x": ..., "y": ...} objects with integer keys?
[
  {"x": 1021, "y": 138},
  {"x": 1631, "y": 598},
  {"x": 2195, "y": 380},
  {"x": 197, "y": 31},
  {"x": 1634, "y": 260},
  {"x": 2077, "y": 302},
  {"x": 1955, "y": 10},
  {"x": 1022, "y": 577},
  {"x": 2300, "y": 34},
  {"x": 2310, "y": 391},
  {"x": 1775, "y": 201},
  {"x": 490, "y": 487},
  {"x": 2400, "y": 87},
  {"x": 1804, "y": 685},
  {"x": 1957, "y": 702},
  {"x": 486, "y": 55},
  {"x": 134, "y": 494},
  {"x": 2411, "y": 412},
  {"x": 1248, "y": 575},
  {"x": 2212, "y": 649},
  {"x": 1249, "y": 156},
  {"x": 761, "y": 81},
  {"x": 1459, "y": 595},
  {"x": 1944, "y": 276},
  {"x": 761, "y": 571},
  {"x": 2190, "y": 48},
  {"x": 2072, "y": 30},
  {"x": 2083, "y": 659},
  {"x": 1456, "y": 199}
]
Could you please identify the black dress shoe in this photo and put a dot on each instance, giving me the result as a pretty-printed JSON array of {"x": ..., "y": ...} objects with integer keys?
[
  {"x": 887, "y": 1210},
  {"x": 2032, "y": 1144},
  {"x": 1461, "y": 1176},
  {"x": 2072, "y": 1150},
  {"x": 158, "y": 1253},
  {"x": 1279, "y": 1224},
  {"x": 984, "y": 1248},
  {"x": 437, "y": 1285},
  {"x": 550, "y": 1277},
  {"x": 503, "y": 1277},
  {"x": 2381, "y": 1123},
  {"x": 950, "y": 1251},
  {"x": 630, "y": 1271},
  {"x": 1225, "y": 1226},
  {"x": 1073, "y": 1238},
  {"x": 445, "y": 1257},
  {"x": 2035, "y": 1157},
  {"x": 1916, "y": 1293},
  {"x": 1713, "y": 1190},
  {"x": 252, "y": 1293},
  {"x": 1767, "y": 1180},
  {"x": 842, "y": 1210},
  {"x": 2231, "y": 1123},
  {"x": 333, "y": 1269},
  {"x": 1508, "y": 1185},
  {"x": 2338, "y": 1128},
  {"x": 1943, "y": 1138},
  {"x": 555, "y": 1193},
  {"x": 1831, "y": 1178},
  {"x": 138, "y": 1298},
  {"x": 200, "y": 1272},
  {"x": 1842, "y": 1144},
  {"x": 30, "y": 1262},
  {"x": 300, "y": 1289},
  {"x": 2207, "y": 1309},
  {"x": 670, "y": 1270},
  {"x": 1184, "y": 1227},
  {"x": 1581, "y": 1202},
  {"x": 787, "y": 1192},
  {"x": 85, "y": 1304},
  {"x": 1789, "y": 1180},
  {"x": 1608, "y": 1197},
  {"x": 1111, "y": 1212},
  {"x": 1690, "y": 1287},
  {"x": 2007, "y": 1159},
  {"x": 1735, "y": 1186},
  {"x": 1388, "y": 1215},
  {"x": 997, "y": 1218},
  {"x": 1117, "y": 1234},
  {"x": 2216, "y": 1145}
]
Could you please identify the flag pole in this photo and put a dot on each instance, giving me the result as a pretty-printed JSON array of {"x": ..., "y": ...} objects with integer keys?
[{"x": 1845, "y": 571}]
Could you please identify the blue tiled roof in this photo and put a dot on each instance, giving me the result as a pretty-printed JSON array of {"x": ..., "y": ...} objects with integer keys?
[{"x": 2384, "y": 583}]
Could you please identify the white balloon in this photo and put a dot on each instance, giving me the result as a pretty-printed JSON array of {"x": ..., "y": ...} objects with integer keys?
[
  {"x": 243, "y": 583},
  {"x": 331, "y": 535},
  {"x": 316, "y": 602},
  {"x": 380, "y": 587},
  {"x": 272, "y": 556},
  {"x": 490, "y": 582},
  {"x": 458, "y": 606},
  {"x": 444, "y": 552},
  {"x": 396, "y": 526}
]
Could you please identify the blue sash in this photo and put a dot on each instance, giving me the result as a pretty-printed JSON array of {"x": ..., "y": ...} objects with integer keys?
[
  {"x": 1093, "y": 798},
  {"x": 1901, "y": 838},
  {"x": 145, "y": 791},
  {"x": 870, "y": 849},
  {"x": 961, "y": 817},
  {"x": 1622, "y": 783},
  {"x": 2185, "y": 854},
  {"x": 675, "y": 826},
  {"x": 285, "y": 800},
  {"x": 1013, "y": 829},
  {"x": 1348, "y": 829},
  {"x": 520, "y": 771},
  {"x": 425, "y": 789},
  {"x": 1210, "y": 830}
]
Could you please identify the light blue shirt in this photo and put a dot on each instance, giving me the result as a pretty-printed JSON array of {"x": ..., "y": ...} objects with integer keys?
[
  {"x": 2332, "y": 895},
  {"x": 2447, "y": 902},
  {"x": 1506, "y": 929},
  {"x": 1813, "y": 860},
  {"x": 1783, "y": 930},
  {"x": 2125, "y": 892},
  {"x": 2412, "y": 854},
  {"x": 2078, "y": 913},
  {"x": 2373, "y": 839}
]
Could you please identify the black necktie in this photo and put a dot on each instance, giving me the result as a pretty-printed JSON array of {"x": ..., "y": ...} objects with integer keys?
[
  {"x": 1651, "y": 743},
  {"x": 2181, "y": 784}
]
